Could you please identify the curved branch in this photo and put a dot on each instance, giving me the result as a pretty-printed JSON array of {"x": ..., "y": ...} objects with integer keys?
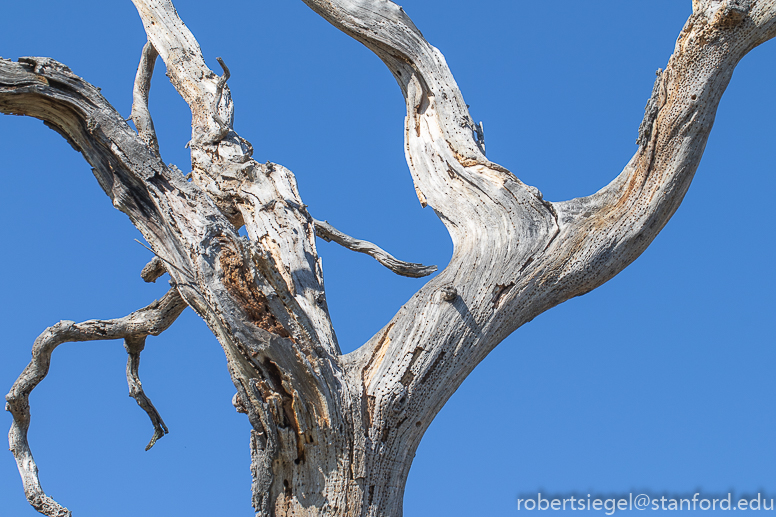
[
  {"x": 165, "y": 311},
  {"x": 603, "y": 233},
  {"x": 140, "y": 116},
  {"x": 442, "y": 140},
  {"x": 151, "y": 320},
  {"x": 134, "y": 345},
  {"x": 328, "y": 233},
  {"x": 517, "y": 255}
]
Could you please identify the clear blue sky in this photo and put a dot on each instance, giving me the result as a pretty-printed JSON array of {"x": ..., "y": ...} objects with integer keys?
[{"x": 661, "y": 381}]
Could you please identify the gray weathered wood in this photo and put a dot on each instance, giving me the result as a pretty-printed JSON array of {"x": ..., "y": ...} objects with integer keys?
[
  {"x": 328, "y": 233},
  {"x": 134, "y": 328},
  {"x": 335, "y": 435}
]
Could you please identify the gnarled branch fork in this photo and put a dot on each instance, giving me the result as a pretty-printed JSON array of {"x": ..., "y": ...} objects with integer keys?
[
  {"x": 333, "y": 434},
  {"x": 250, "y": 304},
  {"x": 151, "y": 320}
]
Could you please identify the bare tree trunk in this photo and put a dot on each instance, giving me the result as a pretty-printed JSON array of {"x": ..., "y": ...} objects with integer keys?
[{"x": 335, "y": 434}]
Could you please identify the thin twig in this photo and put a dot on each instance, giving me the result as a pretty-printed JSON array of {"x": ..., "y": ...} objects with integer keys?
[
  {"x": 135, "y": 345},
  {"x": 328, "y": 233}
]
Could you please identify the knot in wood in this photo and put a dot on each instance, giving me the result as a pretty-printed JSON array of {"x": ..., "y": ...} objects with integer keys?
[
  {"x": 446, "y": 293},
  {"x": 734, "y": 12},
  {"x": 238, "y": 404},
  {"x": 92, "y": 125}
]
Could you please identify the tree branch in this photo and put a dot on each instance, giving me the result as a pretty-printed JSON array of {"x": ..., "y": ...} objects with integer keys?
[
  {"x": 141, "y": 116},
  {"x": 151, "y": 320},
  {"x": 603, "y": 233},
  {"x": 263, "y": 197},
  {"x": 217, "y": 99},
  {"x": 214, "y": 268},
  {"x": 517, "y": 255},
  {"x": 281, "y": 355},
  {"x": 135, "y": 345},
  {"x": 328, "y": 233}
]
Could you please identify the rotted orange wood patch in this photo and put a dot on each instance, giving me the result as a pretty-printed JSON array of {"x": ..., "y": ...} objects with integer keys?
[{"x": 238, "y": 281}]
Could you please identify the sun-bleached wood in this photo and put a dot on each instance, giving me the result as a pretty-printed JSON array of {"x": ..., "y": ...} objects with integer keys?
[
  {"x": 140, "y": 116},
  {"x": 134, "y": 328},
  {"x": 335, "y": 434},
  {"x": 328, "y": 233}
]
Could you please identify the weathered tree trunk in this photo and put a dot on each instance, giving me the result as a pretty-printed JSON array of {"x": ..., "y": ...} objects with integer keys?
[{"x": 335, "y": 434}]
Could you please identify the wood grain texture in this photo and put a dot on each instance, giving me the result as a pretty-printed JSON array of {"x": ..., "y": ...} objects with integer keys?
[
  {"x": 335, "y": 434},
  {"x": 151, "y": 320}
]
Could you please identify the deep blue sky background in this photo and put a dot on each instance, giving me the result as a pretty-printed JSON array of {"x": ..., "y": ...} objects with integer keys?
[{"x": 661, "y": 381}]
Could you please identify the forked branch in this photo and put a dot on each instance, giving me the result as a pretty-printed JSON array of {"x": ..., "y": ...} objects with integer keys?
[
  {"x": 151, "y": 320},
  {"x": 359, "y": 418},
  {"x": 261, "y": 299},
  {"x": 517, "y": 255},
  {"x": 515, "y": 252},
  {"x": 263, "y": 197}
]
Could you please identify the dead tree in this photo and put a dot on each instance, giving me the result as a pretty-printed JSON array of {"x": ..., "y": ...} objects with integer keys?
[{"x": 335, "y": 434}]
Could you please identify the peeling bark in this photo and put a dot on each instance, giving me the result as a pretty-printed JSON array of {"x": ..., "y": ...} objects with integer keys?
[{"x": 335, "y": 434}]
